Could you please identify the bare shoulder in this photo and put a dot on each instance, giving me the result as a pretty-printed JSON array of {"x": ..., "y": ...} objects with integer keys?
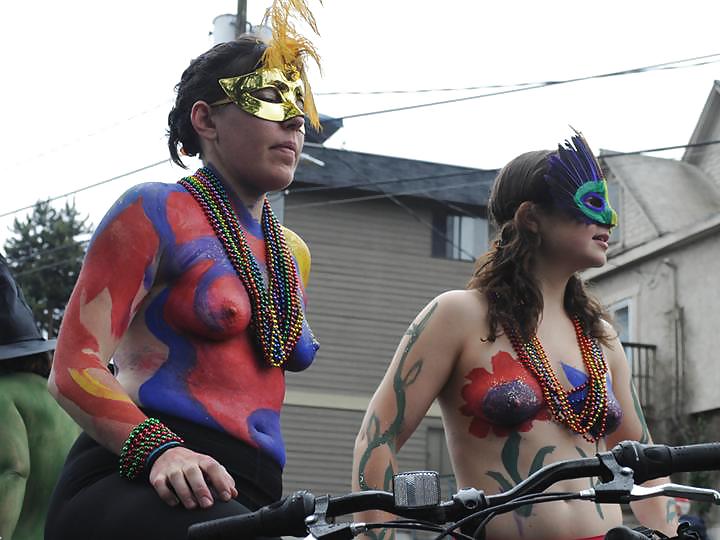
[
  {"x": 462, "y": 308},
  {"x": 609, "y": 329},
  {"x": 612, "y": 347},
  {"x": 468, "y": 301}
]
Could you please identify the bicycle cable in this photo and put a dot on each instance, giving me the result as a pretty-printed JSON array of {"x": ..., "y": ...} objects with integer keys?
[{"x": 486, "y": 514}]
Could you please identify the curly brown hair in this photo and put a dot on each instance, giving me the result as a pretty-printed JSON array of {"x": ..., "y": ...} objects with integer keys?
[{"x": 505, "y": 273}]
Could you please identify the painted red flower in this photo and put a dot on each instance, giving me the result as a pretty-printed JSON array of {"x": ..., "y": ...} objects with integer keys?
[{"x": 508, "y": 399}]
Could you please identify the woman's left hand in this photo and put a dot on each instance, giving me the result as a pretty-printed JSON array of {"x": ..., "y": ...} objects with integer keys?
[{"x": 181, "y": 475}]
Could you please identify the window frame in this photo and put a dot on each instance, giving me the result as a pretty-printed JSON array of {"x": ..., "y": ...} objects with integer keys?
[{"x": 445, "y": 245}]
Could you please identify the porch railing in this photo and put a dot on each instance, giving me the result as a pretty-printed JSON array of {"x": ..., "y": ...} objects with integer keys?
[{"x": 641, "y": 357}]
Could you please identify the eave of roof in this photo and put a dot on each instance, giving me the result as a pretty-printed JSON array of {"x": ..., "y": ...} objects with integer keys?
[{"x": 343, "y": 169}]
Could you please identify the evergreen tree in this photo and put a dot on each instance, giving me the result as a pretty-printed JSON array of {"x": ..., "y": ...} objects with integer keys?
[{"x": 45, "y": 255}]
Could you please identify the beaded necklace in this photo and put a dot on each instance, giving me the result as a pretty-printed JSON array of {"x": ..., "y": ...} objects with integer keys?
[
  {"x": 277, "y": 315},
  {"x": 591, "y": 421}
]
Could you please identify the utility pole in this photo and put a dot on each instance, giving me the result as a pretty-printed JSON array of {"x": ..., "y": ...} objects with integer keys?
[{"x": 241, "y": 20}]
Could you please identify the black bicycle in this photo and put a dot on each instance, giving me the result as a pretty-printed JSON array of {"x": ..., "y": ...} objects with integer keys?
[{"x": 416, "y": 498}]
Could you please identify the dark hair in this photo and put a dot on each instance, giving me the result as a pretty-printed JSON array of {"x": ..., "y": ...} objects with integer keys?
[
  {"x": 38, "y": 363},
  {"x": 200, "y": 82},
  {"x": 505, "y": 273}
]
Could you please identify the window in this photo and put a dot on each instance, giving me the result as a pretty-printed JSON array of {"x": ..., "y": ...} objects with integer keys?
[
  {"x": 459, "y": 237},
  {"x": 622, "y": 321}
]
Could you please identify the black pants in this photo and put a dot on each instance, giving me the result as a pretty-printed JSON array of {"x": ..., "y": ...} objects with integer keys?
[{"x": 92, "y": 501}]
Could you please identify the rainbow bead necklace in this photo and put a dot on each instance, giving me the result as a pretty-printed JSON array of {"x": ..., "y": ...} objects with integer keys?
[
  {"x": 277, "y": 314},
  {"x": 591, "y": 421}
]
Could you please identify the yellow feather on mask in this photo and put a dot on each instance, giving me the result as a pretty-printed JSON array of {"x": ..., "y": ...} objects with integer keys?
[{"x": 287, "y": 47}]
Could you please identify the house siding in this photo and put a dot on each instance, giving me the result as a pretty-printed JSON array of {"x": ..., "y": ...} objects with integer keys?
[
  {"x": 320, "y": 448},
  {"x": 687, "y": 273},
  {"x": 372, "y": 272},
  {"x": 636, "y": 228}
]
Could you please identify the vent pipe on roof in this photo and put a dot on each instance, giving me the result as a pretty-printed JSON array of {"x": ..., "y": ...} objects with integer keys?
[{"x": 224, "y": 28}]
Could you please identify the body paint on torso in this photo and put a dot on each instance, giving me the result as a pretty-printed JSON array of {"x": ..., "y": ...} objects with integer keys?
[
  {"x": 190, "y": 352},
  {"x": 509, "y": 398}
]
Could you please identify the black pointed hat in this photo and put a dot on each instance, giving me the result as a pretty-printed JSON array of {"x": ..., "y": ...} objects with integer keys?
[{"x": 19, "y": 335}]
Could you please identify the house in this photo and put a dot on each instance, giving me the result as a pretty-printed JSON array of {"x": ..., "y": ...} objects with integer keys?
[
  {"x": 389, "y": 234},
  {"x": 386, "y": 236},
  {"x": 660, "y": 282}
]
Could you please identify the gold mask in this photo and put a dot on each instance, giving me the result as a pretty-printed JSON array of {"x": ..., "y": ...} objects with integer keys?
[{"x": 271, "y": 94}]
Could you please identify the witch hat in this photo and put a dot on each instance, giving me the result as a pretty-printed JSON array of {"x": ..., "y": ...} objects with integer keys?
[{"x": 19, "y": 335}]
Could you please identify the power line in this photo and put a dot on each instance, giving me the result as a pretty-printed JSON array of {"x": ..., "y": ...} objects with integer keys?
[
  {"x": 391, "y": 196},
  {"x": 310, "y": 189},
  {"x": 352, "y": 186},
  {"x": 292, "y": 191},
  {"x": 55, "y": 198},
  {"x": 544, "y": 84},
  {"x": 420, "y": 90},
  {"x": 39, "y": 252},
  {"x": 655, "y": 67},
  {"x": 678, "y": 147},
  {"x": 474, "y": 183},
  {"x": 81, "y": 138},
  {"x": 382, "y": 195},
  {"x": 40, "y": 268},
  {"x": 412, "y": 213},
  {"x": 516, "y": 87}
]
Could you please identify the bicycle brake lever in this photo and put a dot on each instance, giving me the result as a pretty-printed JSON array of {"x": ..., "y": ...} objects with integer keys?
[
  {"x": 618, "y": 489},
  {"x": 637, "y": 493},
  {"x": 321, "y": 528},
  {"x": 675, "y": 490}
]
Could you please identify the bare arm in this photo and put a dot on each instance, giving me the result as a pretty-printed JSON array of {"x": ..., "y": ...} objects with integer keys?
[
  {"x": 655, "y": 512},
  {"x": 419, "y": 369},
  {"x": 118, "y": 273},
  {"x": 14, "y": 467},
  {"x": 107, "y": 294}
]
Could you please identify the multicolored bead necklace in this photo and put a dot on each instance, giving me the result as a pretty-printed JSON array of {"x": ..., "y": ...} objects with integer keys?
[
  {"x": 591, "y": 421},
  {"x": 277, "y": 314}
]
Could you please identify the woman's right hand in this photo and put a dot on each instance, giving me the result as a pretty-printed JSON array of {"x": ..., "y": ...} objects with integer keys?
[{"x": 180, "y": 475}]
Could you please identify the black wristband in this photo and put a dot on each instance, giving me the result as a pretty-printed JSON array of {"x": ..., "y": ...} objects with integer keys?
[{"x": 152, "y": 456}]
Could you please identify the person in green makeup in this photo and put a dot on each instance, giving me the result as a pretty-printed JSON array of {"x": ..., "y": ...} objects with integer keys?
[{"x": 35, "y": 433}]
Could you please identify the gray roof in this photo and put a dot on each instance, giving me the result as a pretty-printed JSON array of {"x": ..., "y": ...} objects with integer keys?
[
  {"x": 705, "y": 126},
  {"x": 329, "y": 125},
  {"x": 673, "y": 194},
  {"x": 343, "y": 169}
]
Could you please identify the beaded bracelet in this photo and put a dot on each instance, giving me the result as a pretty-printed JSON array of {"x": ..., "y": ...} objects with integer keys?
[{"x": 148, "y": 436}]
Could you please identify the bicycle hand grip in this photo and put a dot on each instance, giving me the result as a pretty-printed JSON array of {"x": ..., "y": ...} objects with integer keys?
[
  {"x": 284, "y": 517},
  {"x": 654, "y": 461}
]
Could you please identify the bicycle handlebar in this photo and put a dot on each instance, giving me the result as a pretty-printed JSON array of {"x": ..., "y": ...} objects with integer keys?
[
  {"x": 288, "y": 516},
  {"x": 284, "y": 517},
  {"x": 654, "y": 461}
]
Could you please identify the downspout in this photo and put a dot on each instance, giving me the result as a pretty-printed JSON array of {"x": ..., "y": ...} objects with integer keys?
[{"x": 676, "y": 314}]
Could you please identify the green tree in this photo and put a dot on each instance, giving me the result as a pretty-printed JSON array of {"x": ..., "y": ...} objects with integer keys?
[{"x": 45, "y": 255}]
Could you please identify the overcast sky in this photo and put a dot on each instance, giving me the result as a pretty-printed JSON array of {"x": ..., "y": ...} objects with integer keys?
[{"x": 87, "y": 86}]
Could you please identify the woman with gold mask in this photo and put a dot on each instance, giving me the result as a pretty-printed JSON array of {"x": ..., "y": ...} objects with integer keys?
[{"x": 196, "y": 292}]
